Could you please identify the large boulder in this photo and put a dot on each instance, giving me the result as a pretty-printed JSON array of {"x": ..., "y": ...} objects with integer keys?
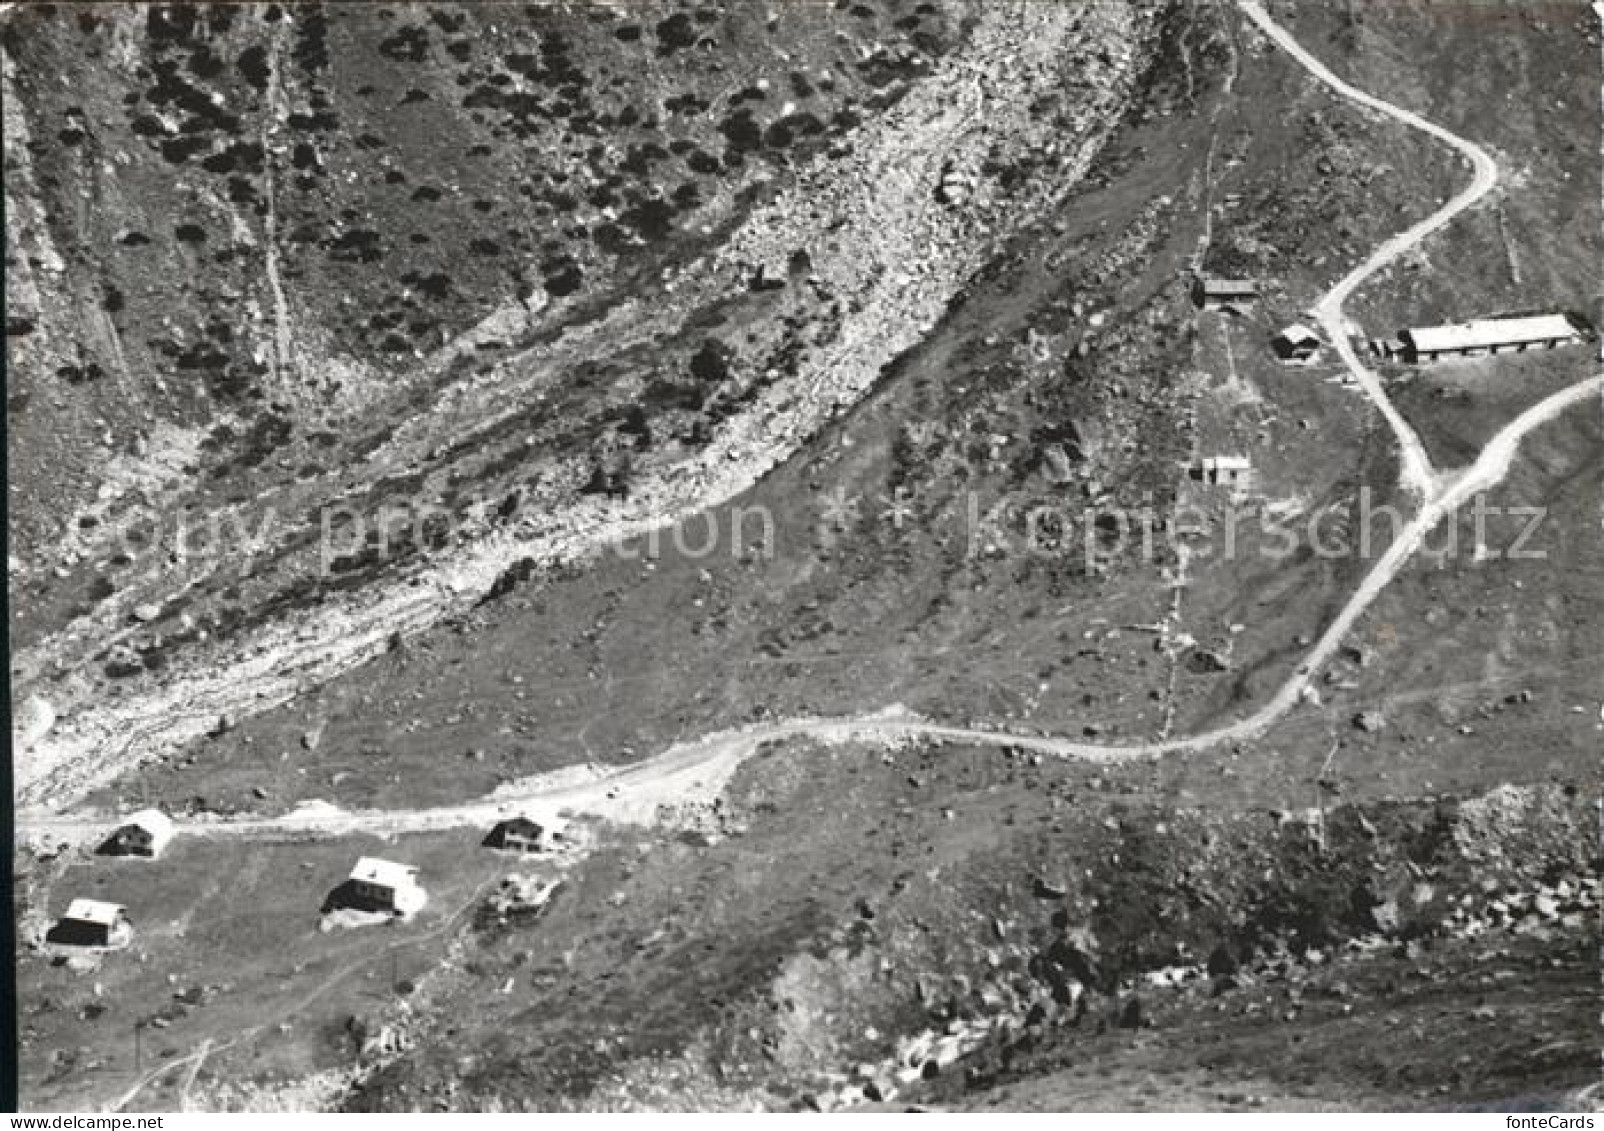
[
  {"x": 1370, "y": 721},
  {"x": 35, "y": 718}
]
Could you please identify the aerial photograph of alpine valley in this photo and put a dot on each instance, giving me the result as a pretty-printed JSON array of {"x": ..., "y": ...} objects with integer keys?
[{"x": 804, "y": 556}]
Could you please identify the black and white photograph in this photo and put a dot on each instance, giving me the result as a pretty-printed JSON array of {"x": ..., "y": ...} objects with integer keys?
[{"x": 877, "y": 556}]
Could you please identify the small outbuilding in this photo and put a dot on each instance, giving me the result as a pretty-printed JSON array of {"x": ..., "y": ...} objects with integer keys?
[
  {"x": 524, "y": 834},
  {"x": 92, "y": 923},
  {"x": 383, "y": 886},
  {"x": 1212, "y": 293},
  {"x": 144, "y": 833},
  {"x": 1226, "y": 471},
  {"x": 1296, "y": 343},
  {"x": 1488, "y": 336}
]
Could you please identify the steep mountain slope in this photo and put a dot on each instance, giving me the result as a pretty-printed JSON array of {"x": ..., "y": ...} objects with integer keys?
[
  {"x": 269, "y": 220},
  {"x": 529, "y": 459}
]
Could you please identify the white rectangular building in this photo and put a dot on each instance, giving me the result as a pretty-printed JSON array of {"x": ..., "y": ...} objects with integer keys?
[
  {"x": 1488, "y": 336},
  {"x": 384, "y": 885},
  {"x": 94, "y": 923},
  {"x": 1228, "y": 471}
]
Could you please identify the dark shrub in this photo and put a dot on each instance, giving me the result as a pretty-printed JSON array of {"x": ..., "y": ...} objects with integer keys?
[
  {"x": 435, "y": 286},
  {"x": 311, "y": 29},
  {"x": 359, "y": 245},
  {"x": 742, "y": 130},
  {"x": 407, "y": 45},
  {"x": 564, "y": 281},
  {"x": 253, "y": 64},
  {"x": 180, "y": 149},
  {"x": 712, "y": 362},
  {"x": 675, "y": 33},
  {"x": 205, "y": 65},
  {"x": 652, "y": 219}
]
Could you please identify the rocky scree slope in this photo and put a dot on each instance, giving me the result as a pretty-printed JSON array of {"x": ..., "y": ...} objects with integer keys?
[
  {"x": 888, "y": 246},
  {"x": 949, "y": 923}
]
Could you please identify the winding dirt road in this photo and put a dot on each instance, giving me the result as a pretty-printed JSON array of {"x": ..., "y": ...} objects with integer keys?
[
  {"x": 1418, "y": 475},
  {"x": 697, "y": 770}
]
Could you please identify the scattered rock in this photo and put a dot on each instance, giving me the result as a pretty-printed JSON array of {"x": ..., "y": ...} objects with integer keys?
[
  {"x": 1205, "y": 661},
  {"x": 1370, "y": 721},
  {"x": 1358, "y": 654},
  {"x": 879, "y": 1090},
  {"x": 1043, "y": 888},
  {"x": 35, "y": 718},
  {"x": 1222, "y": 962},
  {"x": 522, "y": 894}
]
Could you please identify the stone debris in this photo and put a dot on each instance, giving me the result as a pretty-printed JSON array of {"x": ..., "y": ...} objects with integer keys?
[
  {"x": 522, "y": 894},
  {"x": 1370, "y": 722}
]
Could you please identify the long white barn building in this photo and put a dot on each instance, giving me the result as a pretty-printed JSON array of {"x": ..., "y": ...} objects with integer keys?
[{"x": 1488, "y": 336}]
